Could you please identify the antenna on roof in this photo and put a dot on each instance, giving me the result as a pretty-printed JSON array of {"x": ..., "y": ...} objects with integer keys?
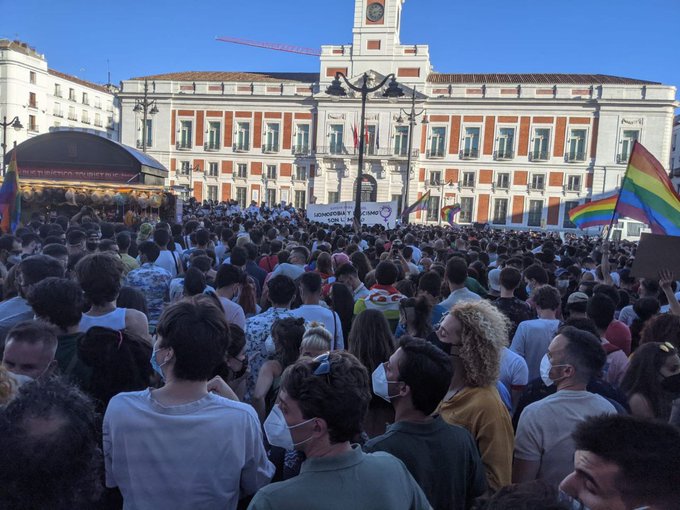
[{"x": 108, "y": 73}]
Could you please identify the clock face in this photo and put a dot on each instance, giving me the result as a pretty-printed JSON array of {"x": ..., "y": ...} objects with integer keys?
[{"x": 375, "y": 12}]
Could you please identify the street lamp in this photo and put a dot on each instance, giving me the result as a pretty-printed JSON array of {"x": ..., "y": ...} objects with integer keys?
[
  {"x": 16, "y": 124},
  {"x": 412, "y": 118},
  {"x": 147, "y": 107},
  {"x": 336, "y": 91}
]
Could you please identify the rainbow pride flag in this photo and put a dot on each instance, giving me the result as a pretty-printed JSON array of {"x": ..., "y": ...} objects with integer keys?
[
  {"x": 449, "y": 212},
  {"x": 595, "y": 213},
  {"x": 418, "y": 205},
  {"x": 647, "y": 194},
  {"x": 10, "y": 198}
]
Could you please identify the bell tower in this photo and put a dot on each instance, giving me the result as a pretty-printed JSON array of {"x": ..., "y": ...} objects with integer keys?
[{"x": 376, "y": 26}]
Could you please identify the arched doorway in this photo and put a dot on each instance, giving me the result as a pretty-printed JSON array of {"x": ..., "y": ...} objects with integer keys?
[{"x": 369, "y": 189}]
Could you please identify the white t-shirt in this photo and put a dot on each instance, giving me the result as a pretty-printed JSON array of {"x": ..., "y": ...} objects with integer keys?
[
  {"x": 329, "y": 318},
  {"x": 531, "y": 341},
  {"x": 514, "y": 370},
  {"x": 204, "y": 454},
  {"x": 545, "y": 428},
  {"x": 167, "y": 262},
  {"x": 233, "y": 313}
]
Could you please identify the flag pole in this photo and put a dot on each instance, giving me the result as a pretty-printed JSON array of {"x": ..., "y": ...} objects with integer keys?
[{"x": 618, "y": 197}]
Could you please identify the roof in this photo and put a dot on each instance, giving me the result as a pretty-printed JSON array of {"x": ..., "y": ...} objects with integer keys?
[
  {"x": 233, "y": 76},
  {"x": 85, "y": 83},
  {"x": 536, "y": 79},
  {"x": 20, "y": 47}
]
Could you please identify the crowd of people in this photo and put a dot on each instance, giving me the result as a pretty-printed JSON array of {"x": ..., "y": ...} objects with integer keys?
[{"x": 247, "y": 358}]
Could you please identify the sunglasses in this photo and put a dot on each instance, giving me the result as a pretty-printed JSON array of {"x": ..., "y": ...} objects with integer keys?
[
  {"x": 667, "y": 347},
  {"x": 324, "y": 367}
]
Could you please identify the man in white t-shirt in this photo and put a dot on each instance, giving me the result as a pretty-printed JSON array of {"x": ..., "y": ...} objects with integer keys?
[
  {"x": 167, "y": 259},
  {"x": 185, "y": 445},
  {"x": 312, "y": 311},
  {"x": 544, "y": 448},
  {"x": 514, "y": 374}
]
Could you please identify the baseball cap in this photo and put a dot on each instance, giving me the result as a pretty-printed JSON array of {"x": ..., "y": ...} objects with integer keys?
[{"x": 577, "y": 297}]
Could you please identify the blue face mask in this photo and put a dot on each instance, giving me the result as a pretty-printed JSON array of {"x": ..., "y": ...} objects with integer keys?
[{"x": 156, "y": 367}]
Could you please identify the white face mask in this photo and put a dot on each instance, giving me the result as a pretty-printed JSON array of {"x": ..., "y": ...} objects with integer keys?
[
  {"x": 270, "y": 346},
  {"x": 278, "y": 431},
  {"x": 545, "y": 371},
  {"x": 379, "y": 380}
]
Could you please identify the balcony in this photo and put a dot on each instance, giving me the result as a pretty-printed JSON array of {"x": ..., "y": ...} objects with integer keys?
[
  {"x": 503, "y": 155},
  {"x": 140, "y": 144},
  {"x": 59, "y": 114},
  {"x": 539, "y": 156},
  {"x": 270, "y": 148},
  {"x": 182, "y": 146},
  {"x": 301, "y": 150},
  {"x": 211, "y": 147},
  {"x": 241, "y": 147},
  {"x": 33, "y": 128},
  {"x": 369, "y": 152},
  {"x": 622, "y": 159},
  {"x": 469, "y": 154},
  {"x": 433, "y": 183},
  {"x": 575, "y": 157},
  {"x": 435, "y": 153}
]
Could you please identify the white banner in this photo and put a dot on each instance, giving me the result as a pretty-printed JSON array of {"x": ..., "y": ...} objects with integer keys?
[{"x": 372, "y": 213}]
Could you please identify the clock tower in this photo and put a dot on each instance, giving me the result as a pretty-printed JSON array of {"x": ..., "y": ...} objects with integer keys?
[{"x": 376, "y": 26}]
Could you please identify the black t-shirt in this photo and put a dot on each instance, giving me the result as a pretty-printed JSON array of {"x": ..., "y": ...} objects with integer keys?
[{"x": 515, "y": 310}]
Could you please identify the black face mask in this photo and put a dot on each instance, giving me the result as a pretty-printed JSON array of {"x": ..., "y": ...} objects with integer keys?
[
  {"x": 671, "y": 384},
  {"x": 239, "y": 374},
  {"x": 91, "y": 246}
]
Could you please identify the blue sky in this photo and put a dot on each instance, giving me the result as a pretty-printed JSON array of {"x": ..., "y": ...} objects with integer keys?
[{"x": 636, "y": 39}]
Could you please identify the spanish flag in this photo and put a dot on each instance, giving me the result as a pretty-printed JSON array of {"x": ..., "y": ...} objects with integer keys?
[{"x": 10, "y": 198}]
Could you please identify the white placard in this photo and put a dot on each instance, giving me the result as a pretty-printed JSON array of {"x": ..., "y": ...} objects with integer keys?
[{"x": 372, "y": 213}]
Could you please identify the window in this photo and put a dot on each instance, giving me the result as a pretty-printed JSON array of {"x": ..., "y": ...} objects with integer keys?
[
  {"x": 214, "y": 131},
  {"x": 213, "y": 169},
  {"x": 271, "y": 171},
  {"x": 574, "y": 183},
  {"x": 242, "y": 170},
  {"x": 72, "y": 94},
  {"x": 57, "y": 110},
  {"x": 503, "y": 181},
  {"x": 370, "y": 141},
  {"x": 242, "y": 136},
  {"x": 186, "y": 135},
  {"x": 538, "y": 181},
  {"x": 86, "y": 99},
  {"x": 468, "y": 179},
  {"x": 241, "y": 196},
  {"x": 57, "y": 90},
  {"x": 540, "y": 150},
  {"x": 433, "y": 209},
  {"x": 98, "y": 102},
  {"x": 535, "y": 213},
  {"x": 471, "y": 143},
  {"x": 271, "y": 143},
  {"x": 31, "y": 76},
  {"x": 399, "y": 199},
  {"x": 32, "y": 101},
  {"x": 500, "y": 211},
  {"x": 333, "y": 197},
  {"x": 85, "y": 117},
  {"x": 185, "y": 167},
  {"x": 628, "y": 137},
  {"x": 336, "y": 139},
  {"x": 109, "y": 122},
  {"x": 401, "y": 141},
  {"x": 300, "y": 173},
  {"x": 633, "y": 228},
  {"x": 98, "y": 120},
  {"x": 212, "y": 193},
  {"x": 270, "y": 197},
  {"x": 435, "y": 177},
  {"x": 466, "y": 206},
  {"x": 32, "y": 125},
  {"x": 577, "y": 145},
  {"x": 300, "y": 199},
  {"x": 437, "y": 142},
  {"x": 506, "y": 143},
  {"x": 301, "y": 139},
  {"x": 568, "y": 206},
  {"x": 147, "y": 132},
  {"x": 72, "y": 113}
]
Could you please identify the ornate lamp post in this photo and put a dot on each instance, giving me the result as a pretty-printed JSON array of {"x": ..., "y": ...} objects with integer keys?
[
  {"x": 336, "y": 91},
  {"x": 146, "y": 107},
  {"x": 412, "y": 119},
  {"x": 16, "y": 124}
]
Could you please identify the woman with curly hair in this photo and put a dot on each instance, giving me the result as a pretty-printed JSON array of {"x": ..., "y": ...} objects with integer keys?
[
  {"x": 664, "y": 327},
  {"x": 476, "y": 332},
  {"x": 651, "y": 382}
]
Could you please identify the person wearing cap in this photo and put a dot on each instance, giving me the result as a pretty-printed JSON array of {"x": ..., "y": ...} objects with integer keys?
[
  {"x": 144, "y": 233},
  {"x": 577, "y": 303}
]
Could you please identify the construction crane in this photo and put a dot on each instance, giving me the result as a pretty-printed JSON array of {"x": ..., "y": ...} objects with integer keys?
[{"x": 272, "y": 46}]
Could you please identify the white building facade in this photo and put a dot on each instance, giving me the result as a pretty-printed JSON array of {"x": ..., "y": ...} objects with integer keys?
[
  {"x": 674, "y": 165},
  {"x": 516, "y": 151},
  {"x": 45, "y": 100}
]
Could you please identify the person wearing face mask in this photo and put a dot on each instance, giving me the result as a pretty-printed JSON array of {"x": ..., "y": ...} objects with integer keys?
[
  {"x": 475, "y": 332},
  {"x": 652, "y": 380},
  {"x": 29, "y": 351},
  {"x": 624, "y": 463},
  {"x": 543, "y": 446},
  {"x": 442, "y": 458},
  {"x": 183, "y": 446},
  {"x": 321, "y": 405}
]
